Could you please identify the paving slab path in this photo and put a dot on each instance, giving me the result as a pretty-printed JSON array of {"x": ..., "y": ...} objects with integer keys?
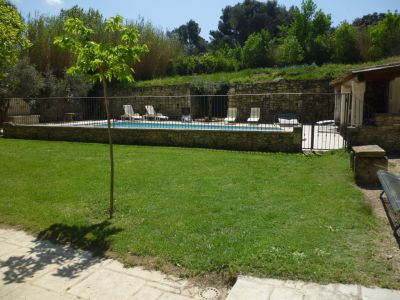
[
  {"x": 38, "y": 269},
  {"x": 33, "y": 269},
  {"x": 272, "y": 289}
]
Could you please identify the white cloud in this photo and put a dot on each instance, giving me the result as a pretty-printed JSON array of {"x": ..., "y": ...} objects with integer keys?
[{"x": 54, "y": 2}]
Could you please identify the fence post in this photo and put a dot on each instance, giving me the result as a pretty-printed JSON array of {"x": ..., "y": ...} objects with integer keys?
[{"x": 312, "y": 136}]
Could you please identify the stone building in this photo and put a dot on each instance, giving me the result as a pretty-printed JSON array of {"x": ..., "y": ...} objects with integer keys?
[{"x": 371, "y": 114}]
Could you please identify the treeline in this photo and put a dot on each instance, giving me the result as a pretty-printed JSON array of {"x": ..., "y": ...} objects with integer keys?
[
  {"x": 251, "y": 34},
  {"x": 255, "y": 34}
]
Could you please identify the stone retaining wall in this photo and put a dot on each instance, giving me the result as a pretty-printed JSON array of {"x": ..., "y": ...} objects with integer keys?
[
  {"x": 316, "y": 102},
  {"x": 167, "y": 100},
  {"x": 232, "y": 140},
  {"x": 312, "y": 104},
  {"x": 386, "y": 136}
]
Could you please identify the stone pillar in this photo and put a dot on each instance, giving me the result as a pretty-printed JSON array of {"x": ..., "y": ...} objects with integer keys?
[
  {"x": 394, "y": 96},
  {"x": 366, "y": 161},
  {"x": 357, "y": 103},
  {"x": 337, "y": 105},
  {"x": 344, "y": 90}
]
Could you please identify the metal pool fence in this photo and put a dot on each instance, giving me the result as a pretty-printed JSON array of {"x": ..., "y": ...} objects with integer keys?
[{"x": 317, "y": 113}]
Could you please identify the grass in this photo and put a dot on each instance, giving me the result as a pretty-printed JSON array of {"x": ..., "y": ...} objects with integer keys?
[
  {"x": 276, "y": 215},
  {"x": 307, "y": 72}
]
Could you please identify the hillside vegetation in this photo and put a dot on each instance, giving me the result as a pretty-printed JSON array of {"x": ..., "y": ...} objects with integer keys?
[{"x": 306, "y": 72}]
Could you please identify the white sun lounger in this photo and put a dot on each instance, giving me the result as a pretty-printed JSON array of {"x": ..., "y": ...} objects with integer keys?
[
  {"x": 232, "y": 113},
  {"x": 254, "y": 115},
  {"x": 151, "y": 113},
  {"x": 130, "y": 114}
]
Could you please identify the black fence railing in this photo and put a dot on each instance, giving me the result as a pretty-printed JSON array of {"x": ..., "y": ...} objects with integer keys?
[{"x": 319, "y": 114}]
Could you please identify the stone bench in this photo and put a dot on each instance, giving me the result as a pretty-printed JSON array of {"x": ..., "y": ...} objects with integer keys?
[
  {"x": 28, "y": 119},
  {"x": 366, "y": 161}
]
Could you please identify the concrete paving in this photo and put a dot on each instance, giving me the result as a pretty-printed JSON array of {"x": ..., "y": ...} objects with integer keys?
[
  {"x": 33, "y": 269},
  {"x": 272, "y": 289}
]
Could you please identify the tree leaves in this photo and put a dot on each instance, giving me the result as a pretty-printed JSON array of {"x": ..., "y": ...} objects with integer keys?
[
  {"x": 12, "y": 38},
  {"x": 108, "y": 59}
]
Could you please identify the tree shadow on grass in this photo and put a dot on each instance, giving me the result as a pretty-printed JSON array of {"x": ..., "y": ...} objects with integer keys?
[{"x": 55, "y": 256}]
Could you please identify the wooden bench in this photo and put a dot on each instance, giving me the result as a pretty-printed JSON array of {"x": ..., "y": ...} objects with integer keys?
[{"x": 391, "y": 187}]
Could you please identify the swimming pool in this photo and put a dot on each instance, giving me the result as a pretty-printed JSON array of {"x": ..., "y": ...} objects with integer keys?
[{"x": 193, "y": 126}]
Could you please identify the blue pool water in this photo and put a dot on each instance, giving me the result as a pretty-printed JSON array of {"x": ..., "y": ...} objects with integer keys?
[{"x": 190, "y": 126}]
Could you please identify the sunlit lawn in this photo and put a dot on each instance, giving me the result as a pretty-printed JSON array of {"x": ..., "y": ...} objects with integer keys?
[{"x": 276, "y": 215}]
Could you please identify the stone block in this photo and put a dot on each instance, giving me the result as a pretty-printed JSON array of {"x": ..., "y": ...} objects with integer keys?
[{"x": 366, "y": 161}]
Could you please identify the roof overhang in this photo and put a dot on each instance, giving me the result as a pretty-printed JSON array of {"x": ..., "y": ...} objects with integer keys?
[{"x": 378, "y": 73}]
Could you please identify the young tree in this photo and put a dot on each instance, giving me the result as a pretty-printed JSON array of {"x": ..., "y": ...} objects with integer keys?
[{"x": 103, "y": 61}]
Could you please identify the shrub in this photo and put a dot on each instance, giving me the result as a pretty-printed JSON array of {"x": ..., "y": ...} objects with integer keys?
[
  {"x": 207, "y": 63},
  {"x": 257, "y": 50},
  {"x": 290, "y": 51}
]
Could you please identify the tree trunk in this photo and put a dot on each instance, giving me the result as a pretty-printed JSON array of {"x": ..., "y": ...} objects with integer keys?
[
  {"x": 4, "y": 106},
  {"x": 106, "y": 104}
]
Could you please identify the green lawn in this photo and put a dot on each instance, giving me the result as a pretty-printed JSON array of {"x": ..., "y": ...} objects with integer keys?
[{"x": 276, "y": 215}]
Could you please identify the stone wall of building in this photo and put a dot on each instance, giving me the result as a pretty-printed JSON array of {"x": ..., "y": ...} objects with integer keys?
[
  {"x": 386, "y": 133},
  {"x": 232, "y": 140}
]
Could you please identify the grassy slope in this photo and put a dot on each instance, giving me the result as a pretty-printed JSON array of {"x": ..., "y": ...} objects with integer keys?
[
  {"x": 276, "y": 215},
  {"x": 328, "y": 71}
]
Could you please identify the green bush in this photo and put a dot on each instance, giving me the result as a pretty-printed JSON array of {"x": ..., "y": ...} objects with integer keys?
[
  {"x": 257, "y": 50},
  {"x": 204, "y": 64},
  {"x": 290, "y": 52},
  {"x": 345, "y": 49}
]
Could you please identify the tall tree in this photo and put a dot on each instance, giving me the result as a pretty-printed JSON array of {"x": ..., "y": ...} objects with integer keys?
[
  {"x": 189, "y": 35},
  {"x": 385, "y": 36},
  {"x": 12, "y": 42},
  {"x": 162, "y": 49},
  {"x": 345, "y": 49},
  {"x": 368, "y": 20},
  {"x": 257, "y": 50},
  {"x": 238, "y": 22},
  {"x": 312, "y": 29},
  {"x": 103, "y": 61},
  {"x": 42, "y": 30},
  {"x": 12, "y": 38}
]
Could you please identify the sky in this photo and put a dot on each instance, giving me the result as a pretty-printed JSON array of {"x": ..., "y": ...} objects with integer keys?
[{"x": 169, "y": 14}]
